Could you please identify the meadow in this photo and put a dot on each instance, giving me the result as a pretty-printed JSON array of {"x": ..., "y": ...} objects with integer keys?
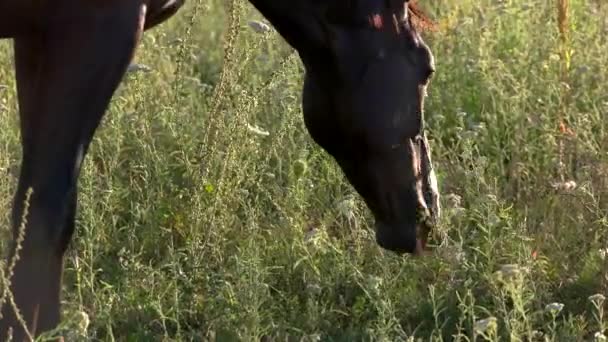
[{"x": 208, "y": 213}]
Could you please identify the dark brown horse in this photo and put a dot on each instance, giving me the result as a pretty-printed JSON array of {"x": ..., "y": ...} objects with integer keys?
[{"x": 366, "y": 73}]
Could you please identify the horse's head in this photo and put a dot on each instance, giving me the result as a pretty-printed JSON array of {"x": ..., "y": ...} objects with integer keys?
[{"x": 367, "y": 70}]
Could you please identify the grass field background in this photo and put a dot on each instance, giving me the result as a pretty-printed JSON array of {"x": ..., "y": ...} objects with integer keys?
[{"x": 207, "y": 212}]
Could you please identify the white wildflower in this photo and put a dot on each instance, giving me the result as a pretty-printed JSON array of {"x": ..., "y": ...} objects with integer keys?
[
  {"x": 259, "y": 27},
  {"x": 603, "y": 253},
  {"x": 485, "y": 324},
  {"x": 458, "y": 211},
  {"x": 138, "y": 67},
  {"x": 83, "y": 322},
  {"x": 599, "y": 337},
  {"x": 598, "y": 297},
  {"x": 461, "y": 113},
  {"x": 347, "y": 208},
  {"x": 454, "y": 200},
  {"x": 479, "y": 127},
  {"x": 374, "y": 283},
  {"x": 570, "y": 185},
  {"x": 314, "y": 289},
  {"x": 314, "y": 337},
  {"x": 257, "y": 130},
  {"x": 564, "y": 186},
  {"x": 554, "y": 307},
  {"x": 536, "y": 334},
  {"x": 510, "y": 270}
]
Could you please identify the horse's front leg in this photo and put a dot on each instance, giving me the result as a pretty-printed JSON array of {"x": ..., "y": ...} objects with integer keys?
[{"x": 66, "y": 76}]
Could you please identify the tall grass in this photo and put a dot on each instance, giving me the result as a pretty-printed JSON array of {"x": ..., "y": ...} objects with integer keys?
[{"x": 207, "y": 212}]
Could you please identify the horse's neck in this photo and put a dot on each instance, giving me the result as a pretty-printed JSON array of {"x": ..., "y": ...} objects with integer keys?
[{"x": 296, "y": 21}]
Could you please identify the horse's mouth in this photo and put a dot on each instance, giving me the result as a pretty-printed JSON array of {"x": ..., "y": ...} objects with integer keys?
[{"x": 430, "y": 211}]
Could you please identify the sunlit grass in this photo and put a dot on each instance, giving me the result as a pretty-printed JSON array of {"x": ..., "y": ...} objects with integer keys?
[{"x": 211, "y": 214}]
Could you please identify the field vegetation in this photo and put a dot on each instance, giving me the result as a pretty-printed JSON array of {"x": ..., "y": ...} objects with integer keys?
[{"x": 208, "y": 213}]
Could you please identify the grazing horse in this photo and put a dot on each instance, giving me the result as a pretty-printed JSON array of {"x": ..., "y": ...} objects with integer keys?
[{"x": 366, "y": 67}]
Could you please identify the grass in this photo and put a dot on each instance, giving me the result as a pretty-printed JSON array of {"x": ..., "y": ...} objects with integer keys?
[{"x": 207, "y": 212}]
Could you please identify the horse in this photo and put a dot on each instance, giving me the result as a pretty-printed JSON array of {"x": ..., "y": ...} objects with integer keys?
[{"x": 366, "y": 73}]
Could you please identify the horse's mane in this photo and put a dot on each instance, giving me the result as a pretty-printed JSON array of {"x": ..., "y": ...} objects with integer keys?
[{"x": 418, "y": 19}]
